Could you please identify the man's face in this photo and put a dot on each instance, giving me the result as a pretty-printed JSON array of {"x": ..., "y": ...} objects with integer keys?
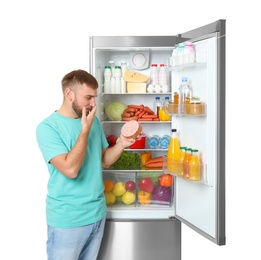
[{"x": 84, "y": 97}]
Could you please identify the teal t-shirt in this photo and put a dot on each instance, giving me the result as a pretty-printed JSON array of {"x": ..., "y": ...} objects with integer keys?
[{"x": 80, "y": 201}]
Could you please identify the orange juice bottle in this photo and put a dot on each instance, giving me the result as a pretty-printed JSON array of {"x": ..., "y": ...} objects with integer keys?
[
  {"x": 173, "y": 152},
  {"x": 186, "y": 163},
  {"x": 180, "y": 160},
  {"x": 194, "y": 166}
]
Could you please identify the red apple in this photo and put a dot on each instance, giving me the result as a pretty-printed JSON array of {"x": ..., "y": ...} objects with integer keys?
[{"x": 130, "y": 185}]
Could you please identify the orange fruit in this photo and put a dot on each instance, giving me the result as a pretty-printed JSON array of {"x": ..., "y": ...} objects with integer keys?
[{"x": 108, "y": 185}]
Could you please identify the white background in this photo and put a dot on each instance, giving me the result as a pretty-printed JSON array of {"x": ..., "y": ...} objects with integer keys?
[{"x": 40, "y": 41}]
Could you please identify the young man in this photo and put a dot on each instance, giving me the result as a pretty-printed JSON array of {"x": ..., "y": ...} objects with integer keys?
[{"x": 75, "y": 150}]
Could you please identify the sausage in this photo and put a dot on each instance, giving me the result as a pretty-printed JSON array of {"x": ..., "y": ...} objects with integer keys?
[
  {"x": 131, "y": 129},
  {"x": 126, "y": 118}
]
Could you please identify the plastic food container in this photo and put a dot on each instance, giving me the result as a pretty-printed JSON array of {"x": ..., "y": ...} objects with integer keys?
[{"x": 140, "y": 143}]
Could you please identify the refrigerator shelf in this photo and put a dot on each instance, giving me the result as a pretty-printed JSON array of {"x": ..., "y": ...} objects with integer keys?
[
  {"x": 181, "y": 67},
  {"x": 142, "y": 122},
  {"x": 161, "y": 93}
]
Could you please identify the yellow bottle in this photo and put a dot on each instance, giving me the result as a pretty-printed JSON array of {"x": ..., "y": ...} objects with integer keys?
[
  {"x": 194, "y": 166},
  {"x": 173, "y": 152},
  {"x": 180, "y": 161},
  {"x": 186, "y": 163}
]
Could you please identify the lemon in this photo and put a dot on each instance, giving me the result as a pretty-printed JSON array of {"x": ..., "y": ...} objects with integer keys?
[{"x": 110, "y": 198}]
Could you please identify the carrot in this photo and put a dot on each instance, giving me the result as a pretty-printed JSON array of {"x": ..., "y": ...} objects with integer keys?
[
  {"x": 156, "y": 119},
  {"x": 154, "y": 165},
  {"x": 155, "y": 159}
]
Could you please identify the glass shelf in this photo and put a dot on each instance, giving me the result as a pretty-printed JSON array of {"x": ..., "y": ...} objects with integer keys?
[{"x": 185, "y": 66}]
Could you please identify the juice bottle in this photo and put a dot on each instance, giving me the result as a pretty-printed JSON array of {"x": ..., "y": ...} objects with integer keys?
[
  {"x": 176, "y": 102},
  {"x": 194, "y": 166},
  {"x": 173, "y": 152},
  {"x": 186, "y": 163},
  {"x": 180, "y": 161}
]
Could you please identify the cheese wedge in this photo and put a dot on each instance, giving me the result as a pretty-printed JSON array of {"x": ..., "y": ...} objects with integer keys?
[
  {"x": 132, "y": 76},
  {"x": 133, "y": 87}
]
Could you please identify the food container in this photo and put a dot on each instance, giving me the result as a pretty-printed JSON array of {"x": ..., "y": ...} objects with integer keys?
[
  {"x": 172, "y": 108},
  {"x": 139, "y": 143},
  {"x": 196, "y": 108}
]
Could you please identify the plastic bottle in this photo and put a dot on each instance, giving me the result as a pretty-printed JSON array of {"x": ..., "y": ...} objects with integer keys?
[
  {"x": 113, "y": 84},
  {"x": 157, "y": 104},
  {"x": 180, "y": 160},
  {"x": 164, "y": 142},
  {"x": 180, "y": 53},
  {"x": 188, "y": 53},
  {"x": 173, "y": 152},
  {"x": 186, "y": 163},
  {"x": 194, "y": 166},
  {"x": 154, "y": 76},
  {"x": 174, "y": 57},
  {"x": 163, "y": 115},
  {"x": 185, "y": 94},
  {"x": 176, "y": 102},
  {"x": 163, "y": 75},
  {"x": 112, "y": 65},
  {"x": 123, "y": 67},
  {"x": 107, "y": 79},
  {"x": 117, "y": 79},
  {"x": 123, "y": 85},
  {"x": 154, "y": 141}
]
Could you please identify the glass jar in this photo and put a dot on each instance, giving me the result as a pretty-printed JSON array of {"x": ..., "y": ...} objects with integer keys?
[{"x": 194, "y": 166}]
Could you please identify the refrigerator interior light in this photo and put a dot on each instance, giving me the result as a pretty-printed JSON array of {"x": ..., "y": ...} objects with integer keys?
[{"x": 139, "y": 60}]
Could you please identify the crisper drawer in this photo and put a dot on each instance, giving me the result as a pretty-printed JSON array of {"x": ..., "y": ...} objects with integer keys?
[
  {"x": 141, "y": 240},
  {"x": 143, "y": 189}
]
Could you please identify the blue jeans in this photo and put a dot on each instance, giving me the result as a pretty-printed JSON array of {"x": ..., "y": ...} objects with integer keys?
[{"x": 81, "y": 243}]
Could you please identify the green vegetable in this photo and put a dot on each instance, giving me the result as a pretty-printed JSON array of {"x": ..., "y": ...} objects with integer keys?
[
  {"x": 128, "y": 161},
  {"x": 114, "y": 110}
]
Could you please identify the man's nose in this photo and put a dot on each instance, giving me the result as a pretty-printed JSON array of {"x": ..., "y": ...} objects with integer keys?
[{"x": 92, "y": 103}]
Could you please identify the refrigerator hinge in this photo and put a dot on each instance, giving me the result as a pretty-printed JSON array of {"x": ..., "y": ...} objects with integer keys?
[{"x": 172, "y": 217}]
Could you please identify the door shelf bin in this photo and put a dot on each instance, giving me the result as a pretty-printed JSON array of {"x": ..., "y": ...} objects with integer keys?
[
  {"x": 199, "y": 109},
  {"x": 159, "y": 197},
  {"x": 177, "y": 169}
]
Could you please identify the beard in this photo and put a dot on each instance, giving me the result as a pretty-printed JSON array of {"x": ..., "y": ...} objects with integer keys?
[{"x": 76, "y": 108}]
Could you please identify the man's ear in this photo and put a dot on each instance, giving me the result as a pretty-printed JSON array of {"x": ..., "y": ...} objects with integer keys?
[{"x": 69, "y": 94}]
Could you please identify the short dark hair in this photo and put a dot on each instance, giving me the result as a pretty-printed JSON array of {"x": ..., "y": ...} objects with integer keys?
[{"x": 76, "y": 77}]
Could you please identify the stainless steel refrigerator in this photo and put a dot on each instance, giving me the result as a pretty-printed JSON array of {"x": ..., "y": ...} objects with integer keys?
[{"x": 136, "y": 231}]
